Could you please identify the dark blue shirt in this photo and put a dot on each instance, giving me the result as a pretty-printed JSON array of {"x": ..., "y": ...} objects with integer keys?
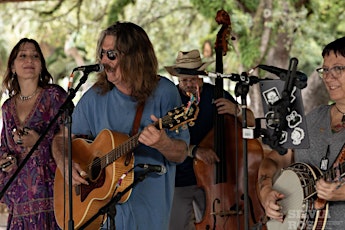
[{"x": 204, "y": 123}]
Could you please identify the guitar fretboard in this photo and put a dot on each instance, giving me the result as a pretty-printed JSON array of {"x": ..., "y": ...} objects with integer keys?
[{"x": 121, "y": 150}]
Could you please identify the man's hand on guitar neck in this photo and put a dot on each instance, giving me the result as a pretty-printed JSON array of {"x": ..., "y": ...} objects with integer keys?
[{"x": 172, "y": 149}]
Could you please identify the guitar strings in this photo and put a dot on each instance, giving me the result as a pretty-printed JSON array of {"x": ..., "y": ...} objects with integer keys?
[{"x": 126, "y": 147}]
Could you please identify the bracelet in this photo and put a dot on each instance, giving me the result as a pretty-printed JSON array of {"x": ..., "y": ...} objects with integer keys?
[
  {"x": 11, "y": 160},
  {"x": 192, "y": 150}
]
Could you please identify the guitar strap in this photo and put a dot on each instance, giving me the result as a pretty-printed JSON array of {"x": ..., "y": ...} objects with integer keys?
[
  {"x": 137, "y": 119},
  {"x": 135, "y": 128},
  {"x": 341, "y": 155}
]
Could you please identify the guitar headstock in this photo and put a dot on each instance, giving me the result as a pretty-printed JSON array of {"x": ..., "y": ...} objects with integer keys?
[{"x": 178, "y": 117}]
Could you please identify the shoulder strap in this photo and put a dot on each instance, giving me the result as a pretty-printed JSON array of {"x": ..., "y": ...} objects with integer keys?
[
  {"x": 137, "y": 119},
  {"x": 341, "y": 155},
  {"x": 135, "y": 128}
]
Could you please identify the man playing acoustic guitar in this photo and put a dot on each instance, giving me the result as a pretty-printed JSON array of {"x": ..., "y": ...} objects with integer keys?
[{"x": 130, "y": 79}]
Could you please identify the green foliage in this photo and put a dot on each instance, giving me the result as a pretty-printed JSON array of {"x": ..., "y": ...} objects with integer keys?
[
  {"x": 252, "y": 53},
  {"x": 116, "y": 9},
  {"x": 250, "y": 5},
  {"x": 178, "y": 25},
  {"x": 208, "y": 8}
]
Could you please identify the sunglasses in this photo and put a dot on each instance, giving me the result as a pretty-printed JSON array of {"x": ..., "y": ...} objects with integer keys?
[{"x": 111, "y": 54}]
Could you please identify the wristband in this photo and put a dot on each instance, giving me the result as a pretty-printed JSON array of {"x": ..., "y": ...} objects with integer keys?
[{"x": 192, "y": 150}]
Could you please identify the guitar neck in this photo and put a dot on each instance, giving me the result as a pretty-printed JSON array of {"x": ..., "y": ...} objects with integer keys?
[
  {"x": 172, "y": 121},
  {"x": 126, "y": 147},
  {"x": 119, "y": 151}
]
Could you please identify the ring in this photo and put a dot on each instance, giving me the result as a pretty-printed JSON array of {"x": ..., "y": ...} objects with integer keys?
[{"x": 19, "y": 142}]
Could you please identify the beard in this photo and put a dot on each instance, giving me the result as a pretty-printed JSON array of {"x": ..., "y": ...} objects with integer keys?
[{"x": 192, "y": 90}]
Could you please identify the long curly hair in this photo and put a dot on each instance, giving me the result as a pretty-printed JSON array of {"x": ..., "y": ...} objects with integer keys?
[
  {"x": 138, "y": 62},
  {"x": 10, "y": 82}
]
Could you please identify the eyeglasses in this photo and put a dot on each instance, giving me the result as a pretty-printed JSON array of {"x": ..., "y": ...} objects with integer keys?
[
  {"x": 111, "y": 54},
  {"x": 336, "y": 71}
]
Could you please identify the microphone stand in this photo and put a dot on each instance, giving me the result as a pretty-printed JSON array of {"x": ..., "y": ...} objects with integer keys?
[
  {"x": 68, "y": 114},
  {"x": 68, "y": 107},
  {"x": 242, "y": 89},
  {"x": 110, "y": 207}
]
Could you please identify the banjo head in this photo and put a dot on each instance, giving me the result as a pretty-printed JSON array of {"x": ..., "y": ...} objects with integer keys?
[{"x": 293, "y": 205}]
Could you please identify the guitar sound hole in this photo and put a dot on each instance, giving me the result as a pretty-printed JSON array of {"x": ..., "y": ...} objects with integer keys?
[{"x": 95, "y": 169}]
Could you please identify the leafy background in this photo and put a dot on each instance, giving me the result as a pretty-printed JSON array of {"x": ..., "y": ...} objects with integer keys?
[{"x": 267, "y": 32}]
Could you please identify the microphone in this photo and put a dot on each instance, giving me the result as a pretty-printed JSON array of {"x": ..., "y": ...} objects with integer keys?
[
  {"x": 231, "y": 76},
  {"x": 282, "y": 73},
  {"x": 159, "y": 169},
  {"x": 243, "y": 78},
  {"x": 90, "y": 68}
]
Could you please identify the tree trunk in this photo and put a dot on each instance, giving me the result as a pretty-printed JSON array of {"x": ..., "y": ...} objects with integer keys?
[{"x": 314, "y": 94}]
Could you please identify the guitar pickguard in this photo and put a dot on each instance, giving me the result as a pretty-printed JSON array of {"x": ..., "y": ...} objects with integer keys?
[{"x": 85, "y": 190}]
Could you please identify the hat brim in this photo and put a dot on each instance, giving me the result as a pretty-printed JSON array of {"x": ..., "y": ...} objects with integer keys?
[{"x": 173, "y": 69}]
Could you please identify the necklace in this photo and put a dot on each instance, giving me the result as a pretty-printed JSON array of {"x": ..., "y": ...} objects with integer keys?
[
  {"x": 25, "y": 98},
  {"x": 342, "y": 119}
]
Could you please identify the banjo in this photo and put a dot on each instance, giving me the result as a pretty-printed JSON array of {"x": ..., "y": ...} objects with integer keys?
[{"x": 301, "y": 207}]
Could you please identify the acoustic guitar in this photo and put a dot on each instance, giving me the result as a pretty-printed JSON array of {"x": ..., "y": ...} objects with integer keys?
[{"x": 108, "y": 169}]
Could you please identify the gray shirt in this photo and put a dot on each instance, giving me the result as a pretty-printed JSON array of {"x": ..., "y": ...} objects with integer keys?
[{"x": 320, "y": 136}]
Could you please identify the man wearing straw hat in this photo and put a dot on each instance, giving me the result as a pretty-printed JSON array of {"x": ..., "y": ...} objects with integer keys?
[{"x": 189, "y": 199}]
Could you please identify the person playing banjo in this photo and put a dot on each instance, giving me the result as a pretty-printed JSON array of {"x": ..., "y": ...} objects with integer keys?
[{"x": 309, "y": 191}]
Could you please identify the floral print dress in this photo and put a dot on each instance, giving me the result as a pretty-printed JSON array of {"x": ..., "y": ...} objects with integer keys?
[{"x": 30, "y": 196}]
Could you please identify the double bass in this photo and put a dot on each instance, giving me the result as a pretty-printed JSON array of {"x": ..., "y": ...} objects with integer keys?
[{"x": 223, "y": 182}]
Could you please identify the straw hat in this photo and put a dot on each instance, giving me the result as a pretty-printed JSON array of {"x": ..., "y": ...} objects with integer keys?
[{"x": 188, "y": 63}]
